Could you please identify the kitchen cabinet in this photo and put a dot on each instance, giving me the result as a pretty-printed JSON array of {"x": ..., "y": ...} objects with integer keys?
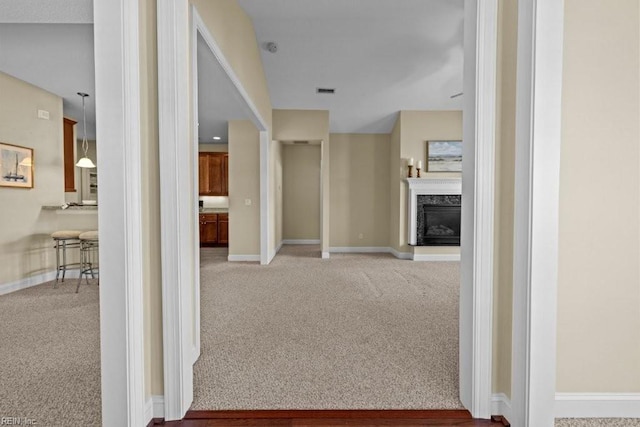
[
  {"x": 214, "y": 229},
  {"x": 213, "y": 174},
  {"x": 223, "y": 229},
  {"x": 69, "y": 140}
]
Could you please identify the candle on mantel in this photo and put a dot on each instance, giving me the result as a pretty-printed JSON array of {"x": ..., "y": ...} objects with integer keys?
[
  {"x": 419, "y": 164},
  {"x": 410, "y": 162}
]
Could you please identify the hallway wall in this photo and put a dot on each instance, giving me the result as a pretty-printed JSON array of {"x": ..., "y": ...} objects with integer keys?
[
  {"x": 599, "y": 253},
  {"x": 359, "y": 199},
  {"x": 301, "y": 192}
]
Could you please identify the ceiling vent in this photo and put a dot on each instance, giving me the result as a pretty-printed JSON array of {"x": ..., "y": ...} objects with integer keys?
[
  {"x": 325, "y": 90},
  {"x": 301, "y": 142}
]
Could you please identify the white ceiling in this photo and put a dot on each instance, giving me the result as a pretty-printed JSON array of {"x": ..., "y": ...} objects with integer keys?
[
  {"x": 59, "y": 58},
  {"x": 55, "y": 57},
  {"x": 381, "y": 56},
  {"x": 218, "y": 100},
  {"x": 46, "y": 11}
]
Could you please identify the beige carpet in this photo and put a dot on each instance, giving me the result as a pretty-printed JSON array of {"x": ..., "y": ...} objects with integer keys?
[
  {"x": 50, "y": 355},
  {"x": 598, "y": 422},
  {"x": 352, "y": 332}
]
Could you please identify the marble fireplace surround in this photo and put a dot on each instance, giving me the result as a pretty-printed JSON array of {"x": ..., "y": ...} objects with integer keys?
[{"x": 426, "y": 186}]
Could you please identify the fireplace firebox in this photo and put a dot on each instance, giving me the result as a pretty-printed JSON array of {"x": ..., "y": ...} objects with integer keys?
[{"x": 438, "y": 220}]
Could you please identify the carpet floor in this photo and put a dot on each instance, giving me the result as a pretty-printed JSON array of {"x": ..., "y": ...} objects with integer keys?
[
  {"x": 352, "y": 332},
  {"x": 597, "y": 422},
  {"x": 50, "y": 355}
]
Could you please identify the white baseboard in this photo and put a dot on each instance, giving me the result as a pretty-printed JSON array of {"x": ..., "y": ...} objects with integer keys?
[
  {"x": 401, "y": 255},
  {"x": 359, "y": 249},
  {"x": 397, "y": 254},
  {"x": 243, "y": 258},
  {"x": 301, "y": 241},
  {"x": 30, "y": 281},
  {"x": 501, "y": 405},
  {"x": 154, "y": 408},
  {"x": 597, "y": 405},
  {"x": 326, "y": 255},
  {"x": 436, "y": 257}
]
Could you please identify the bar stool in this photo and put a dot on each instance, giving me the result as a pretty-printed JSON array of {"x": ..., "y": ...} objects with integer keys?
[
  {"x": 63, "y": 240},
  {"x": 88, "y": 256}
]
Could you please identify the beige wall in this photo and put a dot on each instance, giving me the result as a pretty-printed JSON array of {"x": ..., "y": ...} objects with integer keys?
[
  {"x": 359, "y": 190},
  {"x": 233, "y": 31},
  {"x": 414, "y": 129},
  {"x": 244, "y": 183},
  {"x": 301, "y": 192},
  {"x": 277, "y": 193},
  {"x": 504, "y": 196},
  {"x": 152, "y": 272},
  {"x": 397, "y": 174},
  {"x": 213, "y": 148},
  {"x": 290, "y": 125},
  {"x": 599, "y": 268},
  {"x": 25, "y": 242}
]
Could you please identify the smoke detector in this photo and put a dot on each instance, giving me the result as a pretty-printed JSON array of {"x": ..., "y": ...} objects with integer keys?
[{"x": 271, "y": 47}]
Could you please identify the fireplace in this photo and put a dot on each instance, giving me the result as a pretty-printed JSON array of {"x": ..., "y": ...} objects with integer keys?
[
  {"x": 438, "y": 221},
  {"x": 433, "y": 216}
]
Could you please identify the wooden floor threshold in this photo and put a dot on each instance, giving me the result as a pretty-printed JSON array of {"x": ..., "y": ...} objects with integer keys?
[
  {"x": 460, "y": 414},
  {"x": 331, "y": 418}
]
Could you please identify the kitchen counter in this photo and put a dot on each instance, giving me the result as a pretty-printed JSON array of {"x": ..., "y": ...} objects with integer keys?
[
  {"x": 213, "y": 210},
  {"x": 74, "y": 209}
]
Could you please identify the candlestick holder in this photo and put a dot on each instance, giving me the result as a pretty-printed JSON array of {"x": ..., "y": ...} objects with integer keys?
[
  {"x": 418, "y": 172},
  {"x": 410, "y": 171}
]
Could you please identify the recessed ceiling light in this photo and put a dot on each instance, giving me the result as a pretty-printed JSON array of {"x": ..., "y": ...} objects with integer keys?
[{"x": 216, "y": 138}]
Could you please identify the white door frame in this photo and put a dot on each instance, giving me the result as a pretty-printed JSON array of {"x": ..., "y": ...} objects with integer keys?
[
  {"x": 178, "y": 25},
  {"x": 478, "y": 186},
  {"x": 476, "y": 332},
  {"x": 476, "y": 327},
  {"x": 538, "y": 140},
  {"x": 117, "y": 68}
]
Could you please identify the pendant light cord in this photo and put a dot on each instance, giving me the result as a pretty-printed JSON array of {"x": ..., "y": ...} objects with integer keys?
[{"x": 85, "y": 143}]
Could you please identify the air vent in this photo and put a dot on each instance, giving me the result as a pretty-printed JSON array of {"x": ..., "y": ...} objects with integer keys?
[
  {"x": 325, "y": 90},
  {"x": 301, "y": 142}
]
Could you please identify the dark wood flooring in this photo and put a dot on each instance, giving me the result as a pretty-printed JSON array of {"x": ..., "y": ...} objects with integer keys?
[{"x": 330, "y": 419}]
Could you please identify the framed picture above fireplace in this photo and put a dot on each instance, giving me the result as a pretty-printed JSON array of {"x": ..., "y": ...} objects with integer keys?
[{"x": 444, "y": 156}]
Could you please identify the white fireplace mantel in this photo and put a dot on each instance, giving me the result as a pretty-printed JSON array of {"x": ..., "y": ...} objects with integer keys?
[{"x": 426, "y": 186}]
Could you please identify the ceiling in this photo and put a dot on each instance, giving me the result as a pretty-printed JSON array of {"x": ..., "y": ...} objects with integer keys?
[
  {"x": 59, "y": 58},
  {"x": 381, "y": 56},
  {"x": 218, "y": 99},
  {"x": 55, "y": 57}
]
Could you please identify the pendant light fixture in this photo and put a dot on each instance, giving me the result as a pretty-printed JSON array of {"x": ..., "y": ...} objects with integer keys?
[{"x": 84, "y": 162}]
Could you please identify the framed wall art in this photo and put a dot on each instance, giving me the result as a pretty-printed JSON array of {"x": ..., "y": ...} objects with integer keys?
[
  {"x": 444, "y": 156},
  {"x": 16, "y": 166}
]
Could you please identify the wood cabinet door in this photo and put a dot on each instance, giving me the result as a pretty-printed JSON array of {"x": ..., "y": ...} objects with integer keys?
[
  {"x": 223, "y": 229},
  {"x": 69, "y": 162},
  {"x": 213, "y": 172},
  {"x": 209, "y": 229},
  {"x": 215, "y": 175},
  {"x": 203, "y": 174},
  {"x": 225, "y": 175}
]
